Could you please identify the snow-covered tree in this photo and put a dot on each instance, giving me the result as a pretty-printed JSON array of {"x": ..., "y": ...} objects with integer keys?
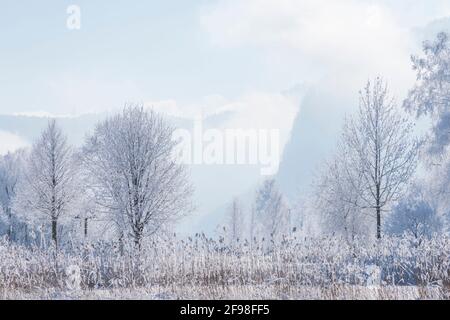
[
  {"x": 135, "y": 177},
  {"x": 234, "y": 227},
  {"x": 48, "y": 187},
  {"x": 385, "y": 153},
  {"x": 430, "y": 98},
  {"x": 415, "y": 214},
  {"x": 11, "y": 166},
  {"x": 430, "y": 95},
  {"x": 337, "y": 193},
  {"x": 89, "y": 220},
  {"x": 271, "y": 211}
]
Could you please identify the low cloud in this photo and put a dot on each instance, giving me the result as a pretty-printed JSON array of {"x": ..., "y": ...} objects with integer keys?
[
  {"x": 42, "y": 114},
  {"x": 350, "y": 39},
  {"x": 254, "y": 110},
  {"x": 10, "y": 142}
]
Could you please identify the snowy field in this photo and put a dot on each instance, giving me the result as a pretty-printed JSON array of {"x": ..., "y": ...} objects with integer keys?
[
  {"x": 262, "y": 292},
  {"x": 203, "y": 268}
]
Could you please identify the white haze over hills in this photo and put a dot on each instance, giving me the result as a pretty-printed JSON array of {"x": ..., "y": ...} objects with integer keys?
[
  {"x": 292, "y": 65},
  {"x": 315, "y": 132},
  {"x": 214, "y": 185}
]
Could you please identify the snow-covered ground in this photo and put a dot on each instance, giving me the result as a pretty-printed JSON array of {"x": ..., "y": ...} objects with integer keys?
[
  {"x": 203, "y": 268},
  {"x": 268, "y": 292}
]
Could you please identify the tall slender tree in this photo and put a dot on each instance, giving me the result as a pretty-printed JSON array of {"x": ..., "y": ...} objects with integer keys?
[
  {"x": 48, "y": 186},
  {"x": 271, "y": 216},
  {"x": 385, "y": 153},
  {"x": 235, "y": 223}
]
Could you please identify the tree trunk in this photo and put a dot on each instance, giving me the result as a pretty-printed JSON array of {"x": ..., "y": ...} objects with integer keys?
[
  {"x": 55, "y": 232},
  {"x": 85, "y": 227},
  {"x": 378, "y": 223},
  {"x": 137, "y": 242},
  {"x": 121, "y": 245},
  {"x": 138, "y": 235},
  {"x": 10, "y": 227},
  {"x": 26, "y": 233}
]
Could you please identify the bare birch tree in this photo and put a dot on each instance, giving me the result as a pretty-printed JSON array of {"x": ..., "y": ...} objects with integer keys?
[
  {"x": 135, "y": 176},
  {"x": 385, "y": 153}
]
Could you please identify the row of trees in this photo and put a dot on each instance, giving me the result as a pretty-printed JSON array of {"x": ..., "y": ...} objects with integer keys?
[
  {"x": 374, "y": 171},
  {"x": 268, "y": 217},
  {"x": 372, "y": 183},
  {"x": 124, "y": 177}
]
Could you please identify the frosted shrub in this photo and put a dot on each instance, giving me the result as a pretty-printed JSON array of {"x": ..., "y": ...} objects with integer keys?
[{"x": 73, "y": 277}]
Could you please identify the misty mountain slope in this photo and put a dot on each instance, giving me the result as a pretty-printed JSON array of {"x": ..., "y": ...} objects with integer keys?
[
  {"x": 313, "y": 138},
  {"x": 318, "y": 124}
]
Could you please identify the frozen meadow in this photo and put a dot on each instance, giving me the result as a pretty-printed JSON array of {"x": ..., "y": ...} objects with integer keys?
[{"x": 204, "y": 268}]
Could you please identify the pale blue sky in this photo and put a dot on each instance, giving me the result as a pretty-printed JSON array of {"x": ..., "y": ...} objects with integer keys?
[
  {"x": 184, "y": 51},
  {"x": 139, "y": 51},
  {"x": 250, "y": 56},
  {"x": 187, "y": 50},
  {"x": 255, "y": 57}
]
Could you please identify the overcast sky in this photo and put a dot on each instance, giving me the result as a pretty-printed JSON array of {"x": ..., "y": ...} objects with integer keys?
[
  {"x": 184, "y": 51},
  {"x": 252, "y": 56},
  {"x": 264, "y": 60}
]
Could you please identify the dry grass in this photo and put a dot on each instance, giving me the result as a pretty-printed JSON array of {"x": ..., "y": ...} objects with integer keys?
[
  {"x": 262, "y": 292},
  {"x": 202, "y": 268}
]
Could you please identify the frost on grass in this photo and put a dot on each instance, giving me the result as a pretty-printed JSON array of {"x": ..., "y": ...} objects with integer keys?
[{"x": 203, "y": 268}]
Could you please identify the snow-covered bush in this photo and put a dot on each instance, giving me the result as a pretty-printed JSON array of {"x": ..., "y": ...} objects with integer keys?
[{"x": 415, "y": 215}]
